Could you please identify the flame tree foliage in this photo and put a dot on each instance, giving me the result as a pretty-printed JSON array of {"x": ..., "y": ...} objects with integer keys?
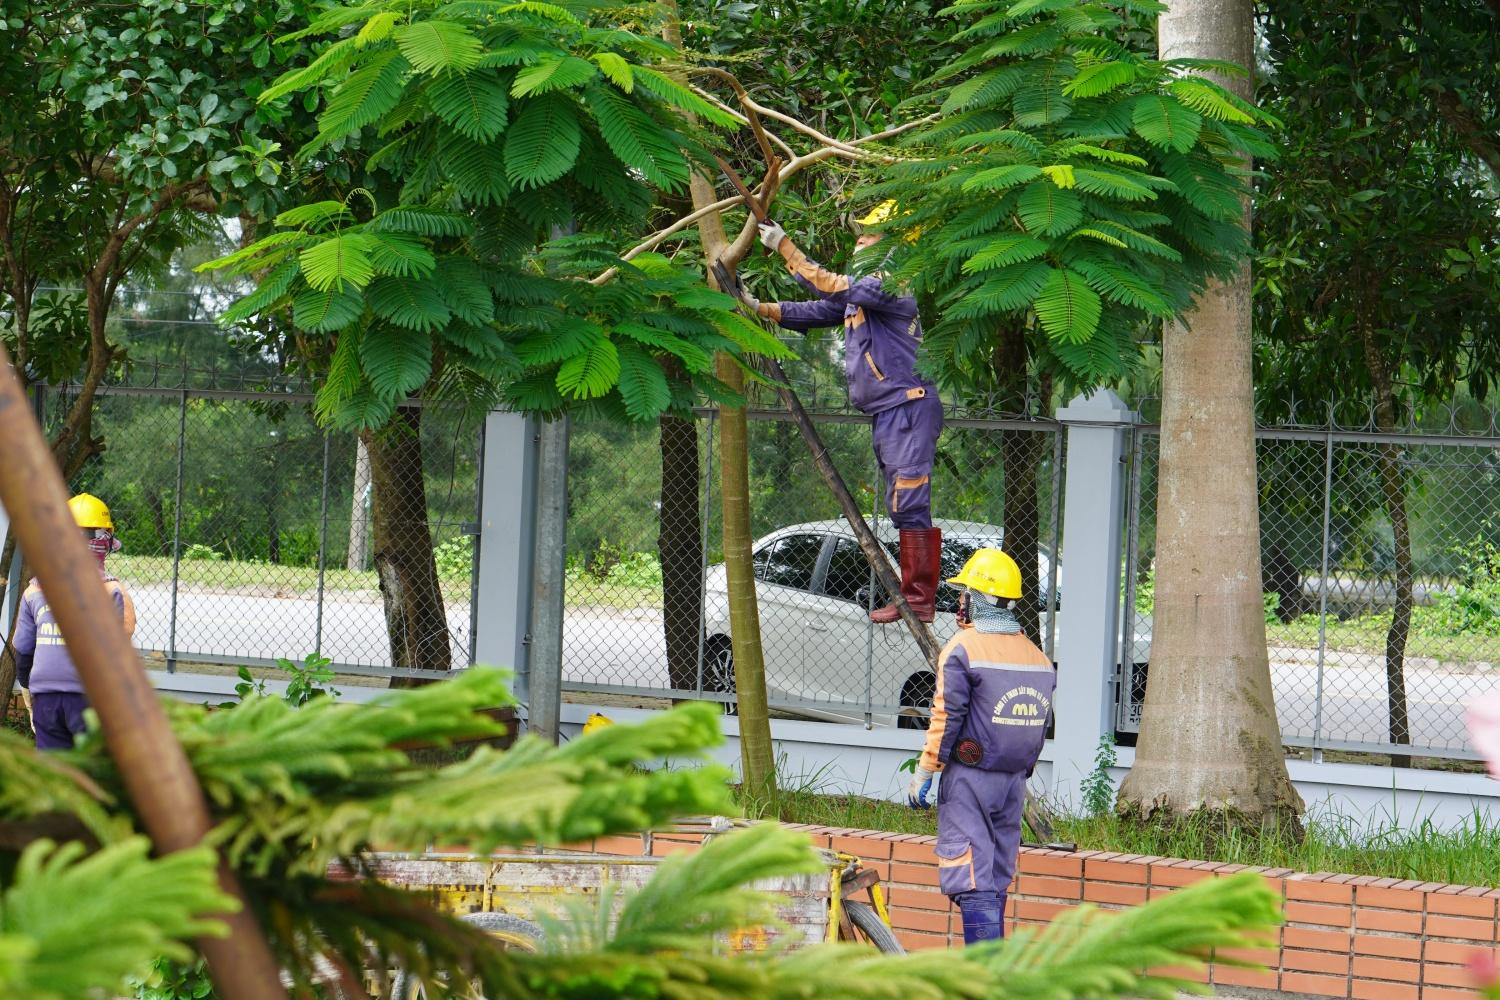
[
  {"x": 485, "y": 129},
  {"x": 1077, "y": 187},
  {"x": 295, "y": 791}
]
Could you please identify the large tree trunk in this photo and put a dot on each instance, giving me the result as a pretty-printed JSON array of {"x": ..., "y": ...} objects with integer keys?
[
  {"x": 679, "y": 544},
  {"x": 1393, "y": 492},
  {"x": 359, "y": 523},
  {"x": 414, "y": 615},
  {"x": 1020, "y": 454},
  {"x": 1209, "y": 740}
]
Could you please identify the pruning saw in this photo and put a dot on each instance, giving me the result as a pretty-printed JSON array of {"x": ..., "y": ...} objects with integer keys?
[{"x": 753, "y": 203}]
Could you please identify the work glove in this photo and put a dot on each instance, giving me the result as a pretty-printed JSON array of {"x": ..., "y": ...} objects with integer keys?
[
  {"x": 771, "y": 235},
  {"x": 920, "y": 788}
]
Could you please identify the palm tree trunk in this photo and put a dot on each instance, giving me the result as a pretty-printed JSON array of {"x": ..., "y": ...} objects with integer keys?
[
  {"x": 679, "y": 544},
  {"x": 1209, "y": 740}
]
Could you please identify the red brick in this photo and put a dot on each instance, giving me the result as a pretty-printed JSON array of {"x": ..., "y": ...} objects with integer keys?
[
  {"x": 1323, "y": 986},
  {"x": 1383, "y": 946},
  {"x": 1482, "y": 907},
  {"x": 1318, "y": 913},
  {"x": 1308, "y": 939},
  {"x": 921, "y": 854},
  {"x": 1051, "y": 863},
  {"x": 920, "y": 920},
  {"x": 1187, "y": 975},
  {"x": 862, "y": 848},
  {"x": 1326, "y": 962},
  {"x": 1051, "y": 888},
  {"x": 1255, "y": 979},
  {"x": 1115, "y": 871},
  {"x": 1268, "y": 957},
  {"x": 1386, "y": 968},
  {"x": 1389, "y": 898},
  {"x": 916, "y": 941},
  {"x": 919, "y": 899},
  {"x": 1461, "y": 927},
  {"x": 630, "y": 846},
  {"x": 1318, "y": 892},
  {"x": 1447, "y": 975},
  {"x": 915, "y": 874},
  {"x": 666, "y": 848},
  {"x": 1365, "y": 989},
  {"x": 1453, "y": 954},
  {"x": 1174, "y": 876},
  {"x": 1434, "y": 993},
  {"x": 1114, "y": 893},
  {"x": 1396, "y": 921},
  {"x": 1036, "y": 910}
]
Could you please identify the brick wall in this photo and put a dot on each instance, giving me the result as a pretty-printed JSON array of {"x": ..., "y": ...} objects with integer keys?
[{"x": 1348, "y": 936}]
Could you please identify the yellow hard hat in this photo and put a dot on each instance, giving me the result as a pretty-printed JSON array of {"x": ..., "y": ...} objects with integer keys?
[
  {"x": 880, "y": 213},
  {"x": 992, "y": 572},
  {"x": 90, "y": 512},
  {"x": 596, "y": 721}
]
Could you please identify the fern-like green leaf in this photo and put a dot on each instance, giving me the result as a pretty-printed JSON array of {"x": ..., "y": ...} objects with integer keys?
[
  {"x": 1121, "y": 283},
  {"x": 1137, "y": 240},
  {"x": 543, "y": 143},
  {"x": 337, "y": 261},
  {"x": 326, "y": 311},
  {"x": 1067, "y": 307},
  {"x": 1030, "y": 40},
  {"x": 1004, "y": 251},
  {"x": 1212, "y": 101},
  {"x": 410, "y": 303},
  {"x": 420, "y": 222},
  {"x": 344, "y": 376},
  {"x": 1100, "y": 78},
  {"x": 474, "y": 103},
  {"x": 270, "y": 291},
  {"x": 680, "y": 97},
  {"x": 1042, "y": 101},
  {"x": 1047, "y": 209},
  {"x": 316, "y": 215},
  {"x": 399, "y": 254},
  {"x": 643, "y": 387},
  {"x": 431, "y": 46},
  {"x": 1000, "y": 178},
  {"x": 592, "y": 374},
  {"x": 616, "y": 69},
  {"x": 693, "y": 357},
  {"x": 1006, "y": 290},
  {"x": 364, "y": 98},
  {"x": 568, "y": 338},
  {"x": 556, "y": 73},
  {"x": 1111, "y": 184},
  {"x": 462, "y": 286},
  {"x": 396, "y": 362},
  {"x": 637, "y": 140},
  {"x": 335, "y": 59},
  {"x": 475, "y": 168},
  {"x": 1163, "y": 121},
  {"x": 752, "y": 338},
  {"x": 985, "y": 89}
]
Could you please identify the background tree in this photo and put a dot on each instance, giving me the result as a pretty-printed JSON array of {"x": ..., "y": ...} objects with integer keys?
[{"x": 1377, "y": 236}]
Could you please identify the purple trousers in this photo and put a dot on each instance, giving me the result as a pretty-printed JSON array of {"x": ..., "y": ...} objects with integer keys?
[
  {"x": 905, "y": 440},
  {"x": 979, "y": 828},
  {"x": 57, "y": 717}
]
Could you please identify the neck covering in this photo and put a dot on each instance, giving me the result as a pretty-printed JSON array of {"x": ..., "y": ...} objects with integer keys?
[{"x": 992, "y": 618}]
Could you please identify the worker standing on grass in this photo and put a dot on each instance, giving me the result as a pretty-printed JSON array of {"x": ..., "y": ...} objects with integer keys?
[
  {"x": 50, "y": 685},
  {"x": 989, "y": 718},
  {"x": 882, "y": 332}
]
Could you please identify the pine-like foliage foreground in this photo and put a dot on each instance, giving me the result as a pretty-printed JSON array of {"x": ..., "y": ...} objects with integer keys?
[
  {"x": 1074, "y": 183},
  {"x": 303, "y": 796}
]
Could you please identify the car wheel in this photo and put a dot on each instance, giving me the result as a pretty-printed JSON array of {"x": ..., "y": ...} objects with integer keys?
[
  {"x": 916, "y": 701},
  {"x": 718, "y": 670}
]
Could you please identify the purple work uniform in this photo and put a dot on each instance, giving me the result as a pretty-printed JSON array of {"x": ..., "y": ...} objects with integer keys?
[
  {"x": 44, "y": 667},
  {"x": 989, "y": 719},
  {"x": 882, "y": 332}
]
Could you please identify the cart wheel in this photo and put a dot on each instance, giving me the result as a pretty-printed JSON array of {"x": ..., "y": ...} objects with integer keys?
[
  {"x": 512, "y": 933},
  {"x": 864, "y": 917}
]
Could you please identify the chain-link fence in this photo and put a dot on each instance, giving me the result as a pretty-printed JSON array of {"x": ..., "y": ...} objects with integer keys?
[
  {"x": 250, "y": 534},
  {"x": 1381, "y": 570},
  {"x": 647, "y": 606}
]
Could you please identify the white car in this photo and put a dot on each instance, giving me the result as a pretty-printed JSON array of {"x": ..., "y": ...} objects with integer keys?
[{"x": 812, "y": 585}]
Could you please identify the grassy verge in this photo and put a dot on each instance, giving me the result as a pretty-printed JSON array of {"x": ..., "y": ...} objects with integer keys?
[
  {"x": 1467, "y": 856},
  {"x": 1366, "y": 634},
  {"x": 233, "y": 575}
]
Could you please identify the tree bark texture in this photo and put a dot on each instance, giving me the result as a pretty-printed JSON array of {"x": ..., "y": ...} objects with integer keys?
[
  {"x": 359, "y": 518},
  {"x": 1393, "y": 483},
  {"x": 414, "y": 614},
  {"x": 679, "y": 545},
  {"x": 1209, "y": 740}
]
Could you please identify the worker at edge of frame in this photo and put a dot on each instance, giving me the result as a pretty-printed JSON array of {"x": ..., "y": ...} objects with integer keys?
[
  {"x": 50, "y": 685},
  {"x": 882, "y": 332},
  {"x": 989, "y": 719}
]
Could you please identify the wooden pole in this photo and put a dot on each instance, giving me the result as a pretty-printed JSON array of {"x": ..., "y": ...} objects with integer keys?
[{"x": 155, "y": 770}]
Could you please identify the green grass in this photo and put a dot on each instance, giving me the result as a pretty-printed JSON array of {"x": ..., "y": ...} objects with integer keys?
[
  {"x": 231, "y": 575},
  {"x": 1334, "y": 843},
  {"x": 1366, "y": 634}
]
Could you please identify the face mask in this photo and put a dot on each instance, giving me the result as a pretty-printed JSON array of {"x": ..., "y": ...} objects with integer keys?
[{"x": 101, "y": 541}]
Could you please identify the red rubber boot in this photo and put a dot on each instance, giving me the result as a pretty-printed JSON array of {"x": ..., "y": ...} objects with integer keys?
[{"x": 921, "y": 559}]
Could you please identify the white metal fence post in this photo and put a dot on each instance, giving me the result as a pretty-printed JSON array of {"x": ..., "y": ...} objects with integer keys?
[
  {"x": 1097, "y": 428},
  {"x": 507, "y": 525}
]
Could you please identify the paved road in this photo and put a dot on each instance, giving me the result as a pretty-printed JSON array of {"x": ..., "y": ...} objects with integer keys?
[{"x": 626, "y": 649}]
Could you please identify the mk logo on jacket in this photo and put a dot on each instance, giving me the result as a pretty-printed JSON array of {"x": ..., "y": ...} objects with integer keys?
[{"x": 1022, "y": 706}]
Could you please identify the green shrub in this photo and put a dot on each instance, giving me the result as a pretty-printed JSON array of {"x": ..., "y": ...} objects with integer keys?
[
  {"x": 1473, "y": 606},
  {"x": 455, "y": 558},
  {"x": 202, "y": 553}
]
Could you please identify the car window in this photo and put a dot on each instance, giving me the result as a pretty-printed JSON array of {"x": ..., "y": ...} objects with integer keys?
[
  {"x": 792, "y": 560},
  {"x": 761, "y": 556},
  {"x": 848, "y": 571}
]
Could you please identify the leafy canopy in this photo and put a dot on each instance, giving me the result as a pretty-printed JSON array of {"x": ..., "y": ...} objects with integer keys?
[
  {"x": 1074, "y": 183},
  {"x": 496, "y": 127}
]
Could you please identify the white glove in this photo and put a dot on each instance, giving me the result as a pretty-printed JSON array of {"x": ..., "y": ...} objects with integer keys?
[
  {"x": 919, "y": 788},
  {"x": 771, "y": 234},
  {"x": 751, "y": 302}
]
